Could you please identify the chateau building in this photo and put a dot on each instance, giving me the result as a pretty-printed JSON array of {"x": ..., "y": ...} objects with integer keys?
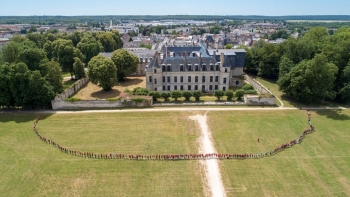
[{"x": 195, "y": 68}]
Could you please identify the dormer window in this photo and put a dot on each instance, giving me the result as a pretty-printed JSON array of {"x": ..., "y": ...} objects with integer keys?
[
  {"x": 204, "y": 67},
  {"x": 189, "y": 67},
  {"x": 168, "y": 67},
  {"x": 163, "y": 68},
  {"x": 217, "y": 67},
  {"x": 196, "y": 67},
  {"x": 211, "y": 67},
  {"x": 181, "y": 68}
]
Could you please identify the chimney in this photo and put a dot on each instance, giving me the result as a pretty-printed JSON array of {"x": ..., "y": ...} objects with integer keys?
[
  {"x": 222, "y": 59},
  {"x": 214, "y": 53},
  {"x": 159, "y": 60},
  {"x": 168, "y": 54},
  {"x": 185, "y": 55},
  {"x": 200, "y": 58},
  {"x": 206, "y": 42}
]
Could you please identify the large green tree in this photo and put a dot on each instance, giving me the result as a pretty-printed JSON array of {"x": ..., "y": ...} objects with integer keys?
[
  {"x": 125, "y": 62},
  {"x": 54, "y": 76},
  {"x": 64, "y": 52},
  {"x": 102, "y": 72},
  {"x": 311, "y": 81},
  {"x": 89, "y": 47}
]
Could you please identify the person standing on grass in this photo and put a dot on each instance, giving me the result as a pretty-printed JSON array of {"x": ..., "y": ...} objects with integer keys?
[{"x": 258, "y": 140}]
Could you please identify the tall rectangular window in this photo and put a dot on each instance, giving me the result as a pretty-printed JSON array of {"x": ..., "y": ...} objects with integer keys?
[
  {"x": 216, "y": 78},
  {"x": 168, "y": 79},
  {"x": 203, "y": 79},
  {"x": 181, "y": 68},
  {"x": 163, "y": 88},
  {"x": 150, "y": 79},
  {"x": 189, "y": 79},
  {"x": 189, "y": 87},
  {"x": 181, "y": 79},
  {"x": 163, "y": 79},
  {"x": 168, "y": 88},
  {"x": 196, "y": 79},
  {"x": 196, "y": 87},
  {"x": 175, "y": 87},
  {"x": 155, "y": 81},
  {"x": 155, "y": 70},
  {"x": 181, "y": 87},
  {"x": 211, "y": 78},
  {"x": 216, "y": 87},
  {"x": 175, "y": 79},
  {"x": 224, "y": 80},
  {"x": 210, "y": 87}
]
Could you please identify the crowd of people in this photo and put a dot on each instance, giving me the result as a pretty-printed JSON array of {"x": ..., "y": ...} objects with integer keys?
[{"x": 178, "y": 156}]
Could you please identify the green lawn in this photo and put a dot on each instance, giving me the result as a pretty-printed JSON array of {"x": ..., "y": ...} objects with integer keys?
[
  {"x": 30, "y": 167},
  {"x": 319, "y": 166}
]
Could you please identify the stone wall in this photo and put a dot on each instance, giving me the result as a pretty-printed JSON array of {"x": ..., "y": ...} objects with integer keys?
[
  {"x": 71, "y": 91},
  {"x": 91, "y": 104},
  {"x": 258, "y": 86},
  {"x": 257, "y": 100}
]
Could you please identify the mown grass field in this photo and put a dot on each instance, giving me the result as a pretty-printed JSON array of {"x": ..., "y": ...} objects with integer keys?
[
  {"x": 30, "y": 167},
  {"x": 319, "y": 166}
]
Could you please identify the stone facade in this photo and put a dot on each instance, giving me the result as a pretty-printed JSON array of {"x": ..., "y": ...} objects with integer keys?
[{"x": 195, "y": 68}]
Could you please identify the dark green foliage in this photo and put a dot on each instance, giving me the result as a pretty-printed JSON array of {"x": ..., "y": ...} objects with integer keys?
[
  {"x": 102, "y": 72},
  {"x": 219, "y": 94},
  {"x": 250, "y": 92},
  {"x": 197, "y": 94},
  {"x": 89, "y": 47},
  {"x": 54, "y": 75},
  {"x": 79, "y": 70},
  {"x": 311, "y": 81},
  {"x": 155, "y": 95},
  {"x": 140, "y": 91},
  {"x": 175, "y": 94},
  {"x": 187, "y": 95},
  {"x": 125, "y": 62},
  {"x": 229, "y": 94},
  {"x": 247, "y": 87},
  {"x": 165, "y": 95},
  {"x": 239, "y": 94}
]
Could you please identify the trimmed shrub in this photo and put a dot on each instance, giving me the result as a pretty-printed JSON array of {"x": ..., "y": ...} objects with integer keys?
[
  {"x": 229, "y": 94},
  {"x": 197, "y": 94},
  {"x": 175, "y": 94},
  {"x": 248, "y": 87},
  {"x": 187, "y": 95}
]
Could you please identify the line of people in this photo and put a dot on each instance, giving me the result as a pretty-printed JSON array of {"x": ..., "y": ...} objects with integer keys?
[{"x": 178, "y": 156}]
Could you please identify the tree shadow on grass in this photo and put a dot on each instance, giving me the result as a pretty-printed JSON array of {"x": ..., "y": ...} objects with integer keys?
[
  {"x": 129, "y": 82},
  {"x": 333, "y": 114},
  {"x": 106, "y": 94},
  {"x": 21, "y": 116}
]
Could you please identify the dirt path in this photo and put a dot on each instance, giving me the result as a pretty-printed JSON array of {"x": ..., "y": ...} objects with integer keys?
[{"x": 212, "y": 170}]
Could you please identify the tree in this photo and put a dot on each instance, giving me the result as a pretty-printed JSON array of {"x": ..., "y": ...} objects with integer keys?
[
  {"x": 219, "y": 93},
  {"x": 32, "y": 57},
  {"x": 229, "y": 94},
  {"x": 165, "y": 95},
  {"x": 107, "y": 42},
  {"x": 54, "y": 76},
  {"x": 63, "y": 52},
  {"x": 197, "y": 94},
  {"x": 140, "y": 91},
  {"x": 228, "y": 46},
  {"x": 239, "y": 94},
  {"x": 175, "y": 94},
  {"x": 187, "y": 95},
  {"x": 28, "y": 88},
  {"x": 78, "y": 66},
  {"x": 285, "y": 66},
  {"x": 311, "y": 81},
  {"x": 125, "y": 62},
  {"x": 269, "y": 60},
  {"x": 6, "y": 98},
  {"x": 155, "y": 95},
  {"x": 247, "y": 87},
  {"x": 102, "y": 72}
]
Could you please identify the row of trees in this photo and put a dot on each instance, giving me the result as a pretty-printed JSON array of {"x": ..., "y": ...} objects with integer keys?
[
  {"x": 176, "y": 94},
  {"x": 312, "y": 69},
  {"x": 31, "y": 66}
]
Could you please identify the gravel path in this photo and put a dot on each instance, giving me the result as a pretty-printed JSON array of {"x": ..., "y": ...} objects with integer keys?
[{"x": 212, "y": 170}]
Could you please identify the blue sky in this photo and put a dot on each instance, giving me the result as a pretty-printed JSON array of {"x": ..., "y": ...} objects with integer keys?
[{"x": 174, "y": 7}]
